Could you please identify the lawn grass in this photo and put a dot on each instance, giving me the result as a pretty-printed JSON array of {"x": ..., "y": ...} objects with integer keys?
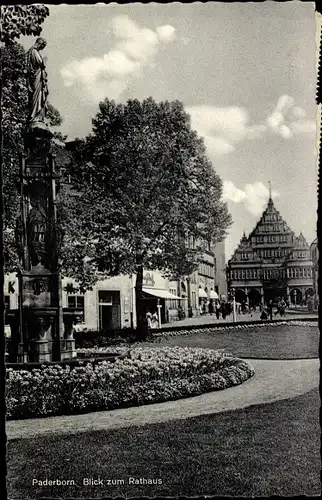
[
  {"x": 268, "y": 342},
  {"x": 262, "y": 450}
]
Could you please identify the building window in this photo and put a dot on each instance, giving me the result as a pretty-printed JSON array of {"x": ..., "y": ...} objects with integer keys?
[
  {"x": 77, "y": 302},
  {"x": 7, "y": 302},
  {"x": 173, "y": 302},
  {"x": 193, "y": 299}
]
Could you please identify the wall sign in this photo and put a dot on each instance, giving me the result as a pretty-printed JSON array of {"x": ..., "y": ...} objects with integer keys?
[{"x": 148, "y": 279}]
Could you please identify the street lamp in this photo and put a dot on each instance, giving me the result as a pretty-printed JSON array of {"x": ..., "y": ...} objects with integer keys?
[
  {"x": 159, "y": 313},
  {"x": 232, "y": 291}
]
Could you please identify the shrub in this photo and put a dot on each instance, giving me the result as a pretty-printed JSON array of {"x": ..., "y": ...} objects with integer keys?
[
  {"x": 91, "y": 338},
  {"x": 148, "y": 375}
]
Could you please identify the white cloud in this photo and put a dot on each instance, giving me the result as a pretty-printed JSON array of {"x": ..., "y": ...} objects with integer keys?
[
  {"x": 224, "y": 128},
  {"x": 253, "y": 196},
  {"x": 303, "y": 126},
  {"x": 109, "y": 75},
  {"x": 232, "y": 193},
  {"x": 217, "y": 146},
  {"x": 166, "y": 32},
  {"x": 287, "y": 120}
]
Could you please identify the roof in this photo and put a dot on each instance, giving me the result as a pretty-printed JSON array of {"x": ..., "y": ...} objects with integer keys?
[{"x": 270, "y": 222}]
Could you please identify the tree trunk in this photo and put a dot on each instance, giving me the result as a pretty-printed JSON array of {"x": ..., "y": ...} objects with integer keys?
[
  {"x": 141, "y": 321},
  {"x": 189, "y": 298}
]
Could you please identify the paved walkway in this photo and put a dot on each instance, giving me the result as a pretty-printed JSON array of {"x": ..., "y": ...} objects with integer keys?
[
  {"x": 255, "y": 316},
  {"x": 273, "y": 381}
]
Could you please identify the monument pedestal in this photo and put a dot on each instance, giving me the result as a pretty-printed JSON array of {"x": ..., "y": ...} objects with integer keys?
[{"x": 40, "y": 350}]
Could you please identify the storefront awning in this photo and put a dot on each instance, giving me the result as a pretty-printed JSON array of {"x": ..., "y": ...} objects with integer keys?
[
  {"x": 213, "y": 294},
  {"x": 162, "y": 294},
  {"x": 202, "y": 293}
]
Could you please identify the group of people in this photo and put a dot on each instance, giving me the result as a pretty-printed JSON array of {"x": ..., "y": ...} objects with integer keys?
[
  {"x": 267, "y": 311},
  {"x": 217, "y": 307},
  {"x": 152, "y": 319}
]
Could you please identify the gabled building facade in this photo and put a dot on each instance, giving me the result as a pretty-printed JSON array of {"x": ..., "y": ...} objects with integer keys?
[
  {"x": 271, "y": 263},
  {"x": 315, "y": 260}
]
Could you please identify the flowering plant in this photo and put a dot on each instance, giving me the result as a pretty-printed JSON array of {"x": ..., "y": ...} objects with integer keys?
[{"x": 146, "y": 375}]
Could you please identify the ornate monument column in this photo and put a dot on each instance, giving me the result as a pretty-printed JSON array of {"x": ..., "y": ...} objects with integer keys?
[{"x": 39, "y": 237}]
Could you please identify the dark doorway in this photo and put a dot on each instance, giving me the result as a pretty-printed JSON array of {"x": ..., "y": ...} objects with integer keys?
[
  {"x": 109, "y": 310},
  {"x": 240, "y": 296},
  {"x": 254, "y": 297},
  {"x": 274, "y": 294}
]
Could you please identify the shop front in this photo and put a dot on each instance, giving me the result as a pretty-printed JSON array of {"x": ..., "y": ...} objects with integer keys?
[{"x": 160, "y": 301}]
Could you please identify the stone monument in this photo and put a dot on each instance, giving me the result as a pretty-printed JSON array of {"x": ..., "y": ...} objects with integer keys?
[{"x": 40, "y": 310}]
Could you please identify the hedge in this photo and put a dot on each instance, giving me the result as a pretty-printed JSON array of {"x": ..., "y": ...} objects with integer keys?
[
  {"x": 148, "y": 375},
  {"x": 94, "y": 338},
  {"x": 206, "y": 329}
]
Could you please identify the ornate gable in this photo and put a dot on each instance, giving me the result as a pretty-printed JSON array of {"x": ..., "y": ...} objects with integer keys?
[
  {"x": 301, "y": 243},
  {"x": 244, "y": 252},
  {"x": 271, "y": 221}
]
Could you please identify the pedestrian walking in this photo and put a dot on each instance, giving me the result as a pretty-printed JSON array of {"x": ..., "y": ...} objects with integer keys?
[
  {"x": 223, "y": 310},
  {"x": 154, "y": 320},
  {"x": 282, "y": 307},
  {"x": 149, "y": 319},
  {"x": 270, "y": 309},
  {"x": 217, "y": 309},
  {"x": 263, "y": 315}
]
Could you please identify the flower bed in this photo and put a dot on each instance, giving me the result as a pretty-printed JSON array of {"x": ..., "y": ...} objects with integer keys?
[{"x": 148, "y": 375}]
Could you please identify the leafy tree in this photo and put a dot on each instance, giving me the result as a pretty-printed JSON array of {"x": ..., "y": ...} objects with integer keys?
[
  {"x": 145, "y": 190},
  {"x": 17, "y": 20}
]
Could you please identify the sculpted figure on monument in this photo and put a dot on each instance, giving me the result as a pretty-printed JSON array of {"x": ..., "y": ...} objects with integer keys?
[
  {"x": 37, "y": 84},
  {"x": 36, "y": 233}
]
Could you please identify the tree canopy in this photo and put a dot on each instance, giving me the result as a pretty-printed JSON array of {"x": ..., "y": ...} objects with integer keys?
[
  {"x": 17, "y": 20},
  {"x": 144, "y": 191}
]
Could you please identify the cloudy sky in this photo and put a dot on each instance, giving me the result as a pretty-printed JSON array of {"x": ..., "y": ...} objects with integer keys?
[{"x": 244, "y": 71}]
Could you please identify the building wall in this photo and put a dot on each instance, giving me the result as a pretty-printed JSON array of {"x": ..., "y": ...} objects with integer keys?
[
  {"x": 220, "y": 268},
  {"x": 123, "y": 313},
  {"x": 121, "y": 284},
  {"x": 315, "y": 260}
]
